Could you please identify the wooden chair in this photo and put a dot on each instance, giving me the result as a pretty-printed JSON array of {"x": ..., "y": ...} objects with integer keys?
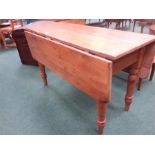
[
  {"x": 119, "y": 23},
  {"x": 6, "y": 32},
  {"x": 128, "y": 20},
  {"x": 3, "y": 23},
  {"x": 142, "y": 23}
]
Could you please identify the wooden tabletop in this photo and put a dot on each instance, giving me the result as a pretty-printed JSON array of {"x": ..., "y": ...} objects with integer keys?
[{"x": 108, "y": 43}]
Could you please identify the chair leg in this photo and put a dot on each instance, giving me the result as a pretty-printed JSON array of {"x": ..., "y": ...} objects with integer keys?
[
  {"x": 3, "y": 40},
  {"x": 12, "y": 40},
  {"x": 125, "y": 22},
  {"x": 152, "y": 71},
  {"x": 122, "y": 24},
  {"x": 139, "y": 83},
  {"x": 108, "y": 24},
  {"x": 142, "y": 27},
  {"x": 130, "y": 22},
  {"x": 134, "y": 22}
]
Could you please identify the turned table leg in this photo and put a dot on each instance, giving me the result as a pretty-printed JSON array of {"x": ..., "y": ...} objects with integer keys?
[
  {"x": 43, "y": 73},
  {"x": 132, "y": 79},
  {"x": 101, "y": 116},
  {"x": 152, "y": 71},
  {"x": 130, "y": 88}
]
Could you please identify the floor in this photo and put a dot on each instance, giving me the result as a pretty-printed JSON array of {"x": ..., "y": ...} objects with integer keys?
[{"x": 27, "y": 107}]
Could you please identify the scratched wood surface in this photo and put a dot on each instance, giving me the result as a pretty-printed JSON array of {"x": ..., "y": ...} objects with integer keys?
[
  {"x": 107, "y": 43},
  {"x": 90, "y": 73}
]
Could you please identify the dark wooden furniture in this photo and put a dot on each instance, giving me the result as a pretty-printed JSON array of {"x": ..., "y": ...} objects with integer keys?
[
  {"x": 23, "y": 48},
  {"x": 87, "y": 57},
  {"x": 22, "y": 45}
]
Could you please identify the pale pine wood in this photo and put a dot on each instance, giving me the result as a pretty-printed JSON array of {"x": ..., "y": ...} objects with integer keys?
[
  {"x": 107, "y": 43},
  {"x": 125, "y": 61},
  {"x": 89, "y": 73},
  {"x": 79, "y": 54},
  {"x": 75, "y": 21},
  {"x": 101, "y": 117}
]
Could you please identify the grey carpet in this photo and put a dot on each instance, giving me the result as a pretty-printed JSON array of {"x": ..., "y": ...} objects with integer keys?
[{"x": 27, "y": 107}]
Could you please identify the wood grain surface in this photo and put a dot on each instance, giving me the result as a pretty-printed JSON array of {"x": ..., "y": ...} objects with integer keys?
[
  {"x": 91, "y": 74},
  {"x": 107, "y": 43}
]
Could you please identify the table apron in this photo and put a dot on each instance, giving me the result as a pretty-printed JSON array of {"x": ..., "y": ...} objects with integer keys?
[{"x": 125, "y": 61}]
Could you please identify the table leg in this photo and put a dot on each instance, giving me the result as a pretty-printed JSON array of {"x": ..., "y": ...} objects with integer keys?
[
  {"x": 43, "y": 73},
  {"x": 101, "y": 116},
  {"x": 134, "y": 23},
  {"x": 152, "y": 71},
  {"x": 130, "y": 88},
  {"x": 132, "y": 79}
]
